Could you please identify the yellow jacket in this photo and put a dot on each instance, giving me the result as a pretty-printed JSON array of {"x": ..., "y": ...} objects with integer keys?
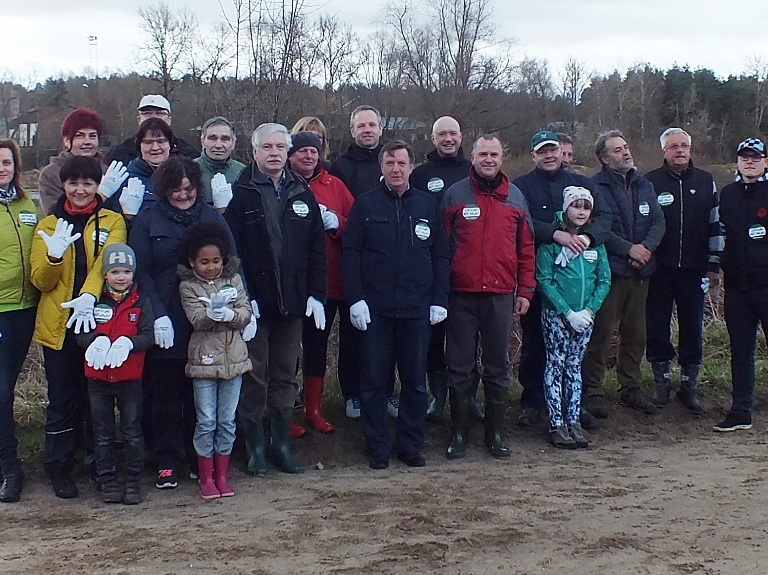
[{"x": 56, "y": 280}]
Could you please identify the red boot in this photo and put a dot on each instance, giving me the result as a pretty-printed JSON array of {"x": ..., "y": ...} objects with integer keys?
[
  {"x": 220, "y": 466},
  {"x": 296, "y": 431},
  {"x": 208, "y": 488},
  {"x": 313, "y": 390}
]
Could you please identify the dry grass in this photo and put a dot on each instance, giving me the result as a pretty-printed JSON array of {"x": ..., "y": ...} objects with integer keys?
[{"x": 31, "y": 391}]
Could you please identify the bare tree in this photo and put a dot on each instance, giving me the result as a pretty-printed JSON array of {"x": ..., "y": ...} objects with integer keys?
[
  {"x": 534, "y": 78},
  {"x": 573, "y": 81},
  {"x": 757, "y": 70}
]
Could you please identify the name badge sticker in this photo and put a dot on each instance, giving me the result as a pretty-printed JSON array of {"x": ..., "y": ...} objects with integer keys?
[
  {"x": 230, "y": 291},
  {"x": 300, "y": 208},
  {"x": 644, "y": 209},
  {"x": 102, "y": 313},
  {"x": 590, "y": 256},
  {"x": 471, "y": 212},
  {"x": 28, "y": 218},
  {"x": 435, "y": 185},
  {"x": 666, "y": 199},
  {"x": 756, "y": 232},
  {"x": 422, "y": 230}
]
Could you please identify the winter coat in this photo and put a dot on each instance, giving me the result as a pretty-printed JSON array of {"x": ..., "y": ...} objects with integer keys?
[
  {"x": 694, "y": 237},
  {"x": 438, "y": 174},
  {"x": 131, "y": 318},
  {"x": 156, "y": 240},
  {"x": 395, "y": 253},
  {"x": 49, "y": 180},
  {"x": 281, "y": 243},
  {"x": 358, "y": 168},
  {"x": 231, "y": 170},
  {"x": 636, "y": 218},
  {"x": 490, "y": 238},
  {"x": 57, "y": 280},
  {"x": 138, "y": 168},
  {"x": 17, "y": 229},
  {"x": 583, "y": 283},
  {"x": 126, "y": 150},
  {"x": 216, "y": 349},
  {"x": 544, "y": 193}
]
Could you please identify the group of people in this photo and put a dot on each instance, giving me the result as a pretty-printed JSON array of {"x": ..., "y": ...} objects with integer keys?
[{"x": 186, "y": 291}]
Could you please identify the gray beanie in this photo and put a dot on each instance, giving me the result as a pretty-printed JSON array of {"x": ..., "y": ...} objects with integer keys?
[{"x": 118, "y": 256}]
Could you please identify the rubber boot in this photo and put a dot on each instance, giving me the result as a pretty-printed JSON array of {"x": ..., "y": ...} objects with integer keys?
[
  {"x": 280, "y": 449},
  {"x": 474, "y": 408},
  {"x": 254, "y": 446},
  {"x": 662, "y": 382},
  {"x": 313, "y": 391},
  {"x": 220, "y": 467},
  {"x": 689, "y": 376},
  {"x": 495, "y": 410},
  {"x": 459, "y": 424},
  {"x": 437, "y": 381},
  {"x": 208, "y": 489},
  {"x": 295, "y": 431}
]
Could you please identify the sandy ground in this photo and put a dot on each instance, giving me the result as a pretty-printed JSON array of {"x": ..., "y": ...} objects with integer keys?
[{"x": 660, "y": 495}]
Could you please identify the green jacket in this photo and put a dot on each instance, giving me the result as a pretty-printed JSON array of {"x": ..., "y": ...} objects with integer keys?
[
  {"x": 231, "y": 170},
  {"x": 582, "y": 284},
  {"x": 17, "y": 228}
]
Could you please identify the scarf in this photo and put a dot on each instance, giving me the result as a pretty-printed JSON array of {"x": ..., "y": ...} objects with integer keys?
[
  {"x": 73, "y": 211},
  {"x": 183, "y": 217},
  {"x": 7, "y": 196},
  {"x": 118, "y": 296}
]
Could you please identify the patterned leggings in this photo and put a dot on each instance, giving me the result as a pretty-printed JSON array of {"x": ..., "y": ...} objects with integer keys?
[{"x": 562, "y": 374}]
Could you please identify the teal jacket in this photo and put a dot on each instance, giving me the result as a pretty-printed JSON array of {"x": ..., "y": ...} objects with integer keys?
[
  {"x": 582, "y": 284},
  {"x": 231, "y": 170}
]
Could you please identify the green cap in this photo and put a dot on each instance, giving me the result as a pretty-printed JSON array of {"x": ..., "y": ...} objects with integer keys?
[{"x": 542, "y": 139}]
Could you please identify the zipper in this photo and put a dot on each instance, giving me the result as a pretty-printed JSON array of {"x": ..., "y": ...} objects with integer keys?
[
  {"x": 680, "y": 252},
  {"x": 410, "y": 231},
  {"x": 583, "y": 280}
]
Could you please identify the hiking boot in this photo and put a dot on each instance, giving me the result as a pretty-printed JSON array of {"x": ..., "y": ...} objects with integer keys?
[
  {"x": 529, "y": 417},
  {"x": 689, "y": 375},
  {"x": 61, "y": 480},
  {"x": 459, "y": 424},
  {"x": 412, "y": 458},
  {"x": 10, "y": 492},
  {"x": 560, "y": 437},
  {"x": 353, "y": 408},
  {"x": 587, "y": 420},
  {"x": 662, "y": 383},
  {"x": 110, "y": 490},
  {"x": 495, "y": 410},
  {"x": 597, "y": 406},
  {"x": 132, "y": 493},
  {"x": 378, "y": 461},
  {"x": 578, "y": 435},
  {"x": 634, "y": 398},
  {"x": 393, "y": 406},
  {"x": 167, "y": 479},
  {"x": 734, "y": 422},
  {"x": 438, "y": 381}
]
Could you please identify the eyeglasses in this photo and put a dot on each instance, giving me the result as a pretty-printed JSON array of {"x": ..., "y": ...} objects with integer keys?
[
  {"x": 157, "y": 113},
  {"x": 676, "y": 147},
  {"x": 152, "y": 142},
  {"x": 752, "y": 159}
]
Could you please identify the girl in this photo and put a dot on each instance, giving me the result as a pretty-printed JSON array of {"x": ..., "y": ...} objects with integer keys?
[
  {"x": 215, "y": 301},
  {"x": 573, "y": 287}
]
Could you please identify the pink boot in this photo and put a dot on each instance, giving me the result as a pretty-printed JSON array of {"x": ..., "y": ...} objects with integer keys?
[
  {"x": 208, "y": 488},
  {"x": 220, "y": 466}
]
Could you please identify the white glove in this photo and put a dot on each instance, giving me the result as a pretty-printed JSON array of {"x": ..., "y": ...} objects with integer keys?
[
  {"x": 705, "y": 284},
  {"x": 217, "y": 308},
  {"x": 222, "y": 314},
  {"x": 585, "y": 238},
  {"x": 360, "y": 315},
  {"x": 164, "y": 332},
  {"x": 110, "y": 182},
  {"x": 132, "y": 197},
  {"x": 249, "y": 331},
  {"x": 315, "y": 308},
  {"x": 82, "y": 316},
  {"x": 579, "y": 320},
  {"x": 60, "y": 240},
  {"x": 566, "y": 254},
  {"x": 330, "y": 220},
  {"x": 96, "y": 354},
  {"x": 119, "y": 351},
  {"x": 221, "y": 191},
  {"x": 437, "y": 314}
]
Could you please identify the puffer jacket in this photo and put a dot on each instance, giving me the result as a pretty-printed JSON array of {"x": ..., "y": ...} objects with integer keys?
[
  {"x": 49, "y": 181},
  {"x": 17, "y": 228},
  {"x": 216, "y": 349}
]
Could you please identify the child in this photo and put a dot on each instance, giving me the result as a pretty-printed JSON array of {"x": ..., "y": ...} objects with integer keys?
[
  {"x": 114, "y": 364},
  {"x": 215, "y": 301},
  {"x": 573, "y": 287}
]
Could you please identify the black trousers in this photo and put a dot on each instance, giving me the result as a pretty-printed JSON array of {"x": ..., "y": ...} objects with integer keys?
[
  {"x": 533, "y": 356},
  {"x": 173, "y": 412}
]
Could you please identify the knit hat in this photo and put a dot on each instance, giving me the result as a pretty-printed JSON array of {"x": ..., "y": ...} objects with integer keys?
[
  {"x": 301, "y": 140},
  {"x": 574, "y": 193},
  {"x": 79, "y": 119},
  {"x": 118, "y": 256}
]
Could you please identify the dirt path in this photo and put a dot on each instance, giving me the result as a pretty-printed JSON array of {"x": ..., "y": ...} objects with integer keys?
[{"x": 663, "y": 496}]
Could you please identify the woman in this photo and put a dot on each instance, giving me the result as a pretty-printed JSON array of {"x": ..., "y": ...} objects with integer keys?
[
  {"x": 155, "y": 237},
  {"x": 66, "y": 261},
  {"x": 314, "y": 125},
  {"x": 18, "y": 304}
]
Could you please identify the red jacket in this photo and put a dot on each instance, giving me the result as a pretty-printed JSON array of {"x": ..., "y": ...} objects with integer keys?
[
  {"x": 331, "y": 192},
  {"x": 490, "y": 237}
]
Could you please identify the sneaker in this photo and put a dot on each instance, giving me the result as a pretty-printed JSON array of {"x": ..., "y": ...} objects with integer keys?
[
  {"x": 353, "y": 408},
  {"x": 734, "y": 422},
  {"x": 393, "y": 406},
  {"x": 597, "y": 406},
  {"x": 529, "y": 417},
  {"x": 560, "y": 437},
  {"x": 635, "y": 399},
  {"x": 166, "y": 479},
  {"x": 193, "y": 476},
  {"x": 110, "y": 491},
  {"x": 578, "y": 435}
]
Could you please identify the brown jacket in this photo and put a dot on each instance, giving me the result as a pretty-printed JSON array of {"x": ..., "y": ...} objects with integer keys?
[{"x": 216, "y": 349}]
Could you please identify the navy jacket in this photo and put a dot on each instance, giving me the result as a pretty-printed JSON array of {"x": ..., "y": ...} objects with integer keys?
[
  {"x": 438, "y": 174},
  {"x": 126, "y": 150},
  {"x": 395, "y": 253},
  {"x": 358, "y": 168},
  {"x": 138, "y": 168}
]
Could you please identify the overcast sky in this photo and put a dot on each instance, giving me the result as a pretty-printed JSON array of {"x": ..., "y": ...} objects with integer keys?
[{"x": 50, "y": 37}]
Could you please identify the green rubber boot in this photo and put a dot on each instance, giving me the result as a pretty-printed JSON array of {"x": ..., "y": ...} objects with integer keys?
[
  {"x": 254, "y": 446},
  {"x": 280, "y": 450}
]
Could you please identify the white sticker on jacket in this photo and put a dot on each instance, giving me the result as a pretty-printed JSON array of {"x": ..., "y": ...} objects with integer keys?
[
  {"x": 300, "y": 208},
  {"x": 28, "y": 218},
  {"x": 590, "y": 255},
  {"x": 103, "y": 235},
  {"x": 230, "y": 291},
  {"x": 422, "y": 230},
  {"x": 207, "y": 360},
  {"x": 644, "y": 208},
  {"x": 471, "y": 212},
  {"x": 102, "y": 313},
  {"x": 757, "y": 232},
  {"x": 435, "y": 185},
  {"x": 666, "y": 199}
]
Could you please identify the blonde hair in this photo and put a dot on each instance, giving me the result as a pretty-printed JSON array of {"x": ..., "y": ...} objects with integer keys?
[{"x": 313, "y": 124}]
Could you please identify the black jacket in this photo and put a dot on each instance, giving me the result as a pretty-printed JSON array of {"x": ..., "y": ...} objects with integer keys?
[
  {"x": 281, "y": 243},
  {"x": 694, "y": 238},
  {"x": 358, "y": 168},
  {"x": 544, "y": 193},
  {"x": 395, "y": 253},
  {"x": 126, "y": 150},
  {"x": 636, "y": 218},
  {"x": 438, "y": 174},
  {"x": 744, "y": 216}
]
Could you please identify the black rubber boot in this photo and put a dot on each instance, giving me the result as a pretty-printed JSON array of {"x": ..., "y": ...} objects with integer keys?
[
  {"x": 474, "y": 409},
  {"x": 459, "y": 424},
  {"x": 495, "y": 410},
  {"x": 662, "y": 383},
  {"x": 689, "y": 376},
  {"x": 437, "y": 381},
  {"x": 61, "y": 479},
  {"x": 254, "y": 446},
  {"x": 280, "y": 449}
]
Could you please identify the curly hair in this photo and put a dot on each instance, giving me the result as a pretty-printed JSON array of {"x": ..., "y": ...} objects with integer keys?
[
  {"x": 201, "y": 234},
  {"x": 169, "y": 175}
]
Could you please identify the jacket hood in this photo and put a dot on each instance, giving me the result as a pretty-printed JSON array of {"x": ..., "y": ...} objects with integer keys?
[
  {"x": 359, "y": 154},
  {"x": 230, "y": 268},
  {"x": 433, "y": 156},
  {"x": 141, "y": 167}
]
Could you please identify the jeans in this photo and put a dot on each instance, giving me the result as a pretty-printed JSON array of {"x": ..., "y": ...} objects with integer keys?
[
  {"x": 127, "y": 395},
  {"x": 216, "y": 403},
  {"x": 16, "y": 327}
]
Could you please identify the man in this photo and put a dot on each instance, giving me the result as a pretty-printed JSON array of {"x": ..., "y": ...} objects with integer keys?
[
  {"x": 492, "y": 279},
  {"x": 543, "y": 189},
  {"x": 687, "y": 264},
  {"x": 744, "y": 216},
  {"x": 566, "y": 147},
  {"x": 637, "y": 227},
  {"x": 278, "y": 231},
  {"x": 445, "y": 166},
  {"x": 158, "y": 106},
  {"x": 358, "y": 167},
  {"x": 395, "y": 274},
  {"x": 218, "y": 139}
]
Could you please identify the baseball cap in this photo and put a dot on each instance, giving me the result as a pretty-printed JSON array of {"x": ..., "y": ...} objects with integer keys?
[
  {"x": 752, "y": 144},
  {"x": 155, "y": 101},
  {"x": 543, "y": 138}
]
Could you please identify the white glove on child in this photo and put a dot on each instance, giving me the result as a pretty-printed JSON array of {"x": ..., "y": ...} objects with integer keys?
[
  {"x": 360, "y": 315},
  {"x": 60, "y": 240},
  {"x": 221, "y": 191},
  {"x": 112, "y": 179},
  {"x": 315, "y": 308},
  {"x": 96, "y": 354},
  {"x": 82, "y": 317},
  {"x": 119, "y": 351},
  {"x": 217, "y": 308},
  {"x": 437, "y": 314},
  {"x": 580, "y": 320},
  {"x": 164, "y": 332},
  {"x": 132, "y": 197}
]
